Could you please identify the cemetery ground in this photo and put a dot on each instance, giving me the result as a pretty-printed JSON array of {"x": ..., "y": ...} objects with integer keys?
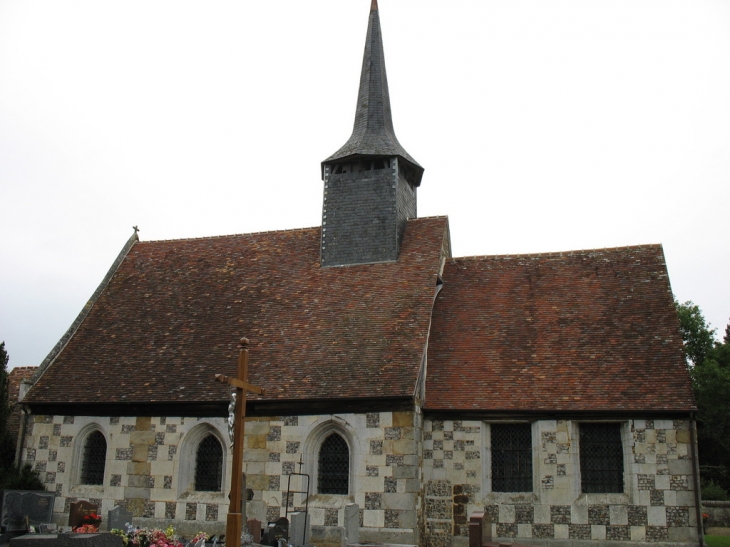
[{"x": 717, "y": 537}]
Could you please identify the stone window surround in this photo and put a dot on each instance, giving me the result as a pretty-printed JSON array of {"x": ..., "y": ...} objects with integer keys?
[
  {"x": 313, "y": 439},
  {"x": 79, "y": 442},
  {"x": 187, "y": 451},
  {"x": 626, "y": 497},
  {"x": 487, "y": 460}
]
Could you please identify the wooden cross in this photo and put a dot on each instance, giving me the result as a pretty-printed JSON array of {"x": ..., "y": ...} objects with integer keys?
[{"x": 234, "y": 522}]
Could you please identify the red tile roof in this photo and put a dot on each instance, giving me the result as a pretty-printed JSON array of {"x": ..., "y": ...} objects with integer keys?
[
  {"x": 579, "y": 331},
  {"x": 172, "y": 315}
]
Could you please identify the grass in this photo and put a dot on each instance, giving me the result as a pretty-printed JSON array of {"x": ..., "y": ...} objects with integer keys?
[{"x": 717, "y": 541}]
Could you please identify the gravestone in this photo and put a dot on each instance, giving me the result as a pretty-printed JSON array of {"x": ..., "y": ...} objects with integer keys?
[
  {"x": 21, "y": 508},
  {"x": 299, "y": 529},
  {"x": 480, "y": 529},
  {"x": 118, "y": 519},
  {"x": 78, "y": 510},
  {"x": 352, "y": 523},
  {"x": 275, "y": 531},
  {"x": 254, "y": 528}
]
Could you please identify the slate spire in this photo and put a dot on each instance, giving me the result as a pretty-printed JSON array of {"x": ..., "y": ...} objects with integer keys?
[
  {"x": 370, "y": 184},
  {"x": 373, "y": 133}
]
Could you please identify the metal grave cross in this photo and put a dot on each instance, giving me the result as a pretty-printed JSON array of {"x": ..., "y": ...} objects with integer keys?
[{"x": 234, "y": 522}]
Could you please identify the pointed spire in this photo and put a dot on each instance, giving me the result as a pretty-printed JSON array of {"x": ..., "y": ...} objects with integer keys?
[{"x": 373, "y": 133}]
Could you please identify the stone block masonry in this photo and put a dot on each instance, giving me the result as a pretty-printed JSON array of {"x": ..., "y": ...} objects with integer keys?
[
  {"x": 384, "y": 470},
  {"x": 652, "y": 508},
  {"x": 144, "y": 470},
  {"x": 414, "y": 481},
  {"x": 150, "y": 461}
]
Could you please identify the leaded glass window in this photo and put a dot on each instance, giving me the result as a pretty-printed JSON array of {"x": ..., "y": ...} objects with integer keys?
[
  {"x": 601, "y": 458},
  {"x": 511, "y": 457},
  {"x": 94, "y": 459},
  {"x": 334, "y": 466},
  {"x": 209, "y": 465}
]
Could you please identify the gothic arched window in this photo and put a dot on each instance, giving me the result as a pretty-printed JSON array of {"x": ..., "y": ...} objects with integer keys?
[
  {"x": 209, "y": 465},
  {"x": 334, "y": 466},
  {"x": 94, "y": 459}
]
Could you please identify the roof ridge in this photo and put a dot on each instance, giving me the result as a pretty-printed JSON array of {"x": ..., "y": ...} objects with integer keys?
[
  {"x": 231, "y": 235},
  {"x": 430, "y": 218},
  {"x": 285, "y": 230},
  {"x": 26, "y": 368},
  {"x": 549, "y": 254}
]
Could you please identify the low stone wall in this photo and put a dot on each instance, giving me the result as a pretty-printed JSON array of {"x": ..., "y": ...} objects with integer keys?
[{"x": 719, "y": 512}]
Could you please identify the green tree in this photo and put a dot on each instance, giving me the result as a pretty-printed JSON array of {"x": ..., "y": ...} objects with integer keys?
[
  {"x": 708, "y": 361},
  {"x": 7, "y": 442},
  {"x": 11, "y": 478},
  {"x": 698, "y": 338}
]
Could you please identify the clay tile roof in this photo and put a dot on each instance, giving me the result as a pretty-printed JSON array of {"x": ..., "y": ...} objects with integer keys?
[
  {"x": 580, "y": 331},
  {"x": 174, "y": 311}
]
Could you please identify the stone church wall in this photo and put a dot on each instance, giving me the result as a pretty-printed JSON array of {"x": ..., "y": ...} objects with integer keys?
[
  {"x": 384, "y": 471},
  {"x": 147, "y": 470},
  {"x": 658, "y": 503},
  {"x": 150, "y": 462}
]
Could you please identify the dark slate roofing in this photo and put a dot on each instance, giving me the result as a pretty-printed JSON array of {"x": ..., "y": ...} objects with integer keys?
[
  {"x": 174, "y": 311},
  {"x": 579, "y": 331},
  {"x": 373, "y": 134}
]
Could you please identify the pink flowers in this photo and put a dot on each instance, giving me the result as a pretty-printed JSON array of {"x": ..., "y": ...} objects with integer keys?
[
  {"x": 90, "y": 524},
  {"x": 86, "y": 529},
  {"x": 152, "y": 538}
]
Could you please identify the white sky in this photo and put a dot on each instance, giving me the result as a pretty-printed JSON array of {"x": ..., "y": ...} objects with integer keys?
[{"x": 543, "y": 125}]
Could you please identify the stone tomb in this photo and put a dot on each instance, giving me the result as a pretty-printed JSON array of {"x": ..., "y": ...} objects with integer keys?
[
  {"x": 254, "y": 528},
  {"x": 118, "y": 519},
  {"x": 480, "y": 529},
  {"x": 80, "y": 509},
  {"x": 23, "y": 508},
  {"x": 352, "y": 523},
  {"x": 276, "y": 530},
  {"x": 299, "y": 529},
  {"x": 67, "y": 540}
]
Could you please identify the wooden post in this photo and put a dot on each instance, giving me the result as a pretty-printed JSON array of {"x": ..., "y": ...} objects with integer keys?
[{"x": 234, "y": 522}]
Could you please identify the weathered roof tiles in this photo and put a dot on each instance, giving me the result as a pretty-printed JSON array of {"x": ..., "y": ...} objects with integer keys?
[
  {"x": 579, "y": 331},
  {"x": 172, "y": 315}
]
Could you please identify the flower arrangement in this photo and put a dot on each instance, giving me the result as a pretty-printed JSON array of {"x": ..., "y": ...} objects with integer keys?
[
  {"x": 86, "y": 529},
  {"x": 142, "y": 537},
  {"x": 89, "y": 524}
]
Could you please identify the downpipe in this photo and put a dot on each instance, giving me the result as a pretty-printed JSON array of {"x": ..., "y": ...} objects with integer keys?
[{"x": 696, "y": 478}]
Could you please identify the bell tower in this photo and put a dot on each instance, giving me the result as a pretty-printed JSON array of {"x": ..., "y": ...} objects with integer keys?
[{"x": 370, "y": 183}]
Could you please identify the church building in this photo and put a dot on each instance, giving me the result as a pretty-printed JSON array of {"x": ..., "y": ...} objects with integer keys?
[{"x": 548, "y": 390}]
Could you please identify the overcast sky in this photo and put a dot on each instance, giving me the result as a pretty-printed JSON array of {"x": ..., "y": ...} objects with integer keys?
[{"x": 544, "y": 125}]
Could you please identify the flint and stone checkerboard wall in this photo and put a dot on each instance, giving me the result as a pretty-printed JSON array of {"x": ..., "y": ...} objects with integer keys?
[
  {"x": 150, "y": 461},
  {"x": 415, "y": 481},
  {"x": 658, "y": 503}
]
